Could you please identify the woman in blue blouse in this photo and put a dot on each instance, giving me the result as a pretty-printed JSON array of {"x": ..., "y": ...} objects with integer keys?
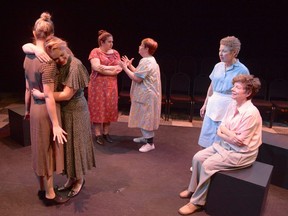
[{"x": 219, "y": 91}]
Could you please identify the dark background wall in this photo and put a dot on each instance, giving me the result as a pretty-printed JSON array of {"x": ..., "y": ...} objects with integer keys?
[{"x": 182, "y": 28}]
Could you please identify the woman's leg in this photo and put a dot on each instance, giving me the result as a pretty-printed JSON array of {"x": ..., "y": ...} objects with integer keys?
[
  {"x": 149, "y": 137},
  {"x": 77, "y": 187},
  {"x": 97, "y": 128},
  {"x": 106, "y": 136}
]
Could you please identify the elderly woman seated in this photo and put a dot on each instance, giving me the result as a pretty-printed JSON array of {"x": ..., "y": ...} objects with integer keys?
[{"x": 240, "y": 132}]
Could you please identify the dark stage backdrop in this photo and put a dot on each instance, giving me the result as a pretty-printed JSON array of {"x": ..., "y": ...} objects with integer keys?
[{"x": 182, "y": 28}]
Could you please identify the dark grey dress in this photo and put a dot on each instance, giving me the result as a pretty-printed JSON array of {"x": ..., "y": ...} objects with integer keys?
[{"x": 79, "y": 149}]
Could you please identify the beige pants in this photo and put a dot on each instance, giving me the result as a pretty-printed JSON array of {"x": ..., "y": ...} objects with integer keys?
[{"x": 211, "y": 160}]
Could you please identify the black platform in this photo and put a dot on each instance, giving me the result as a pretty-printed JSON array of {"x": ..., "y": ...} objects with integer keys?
[
  {"x": 239, "y": 192},
  {"x": 19, "y": 127},
  {"x": 274, "y": 151}
]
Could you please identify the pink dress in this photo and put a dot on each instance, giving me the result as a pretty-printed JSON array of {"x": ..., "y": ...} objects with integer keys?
[{"x": 103, "y": 90}]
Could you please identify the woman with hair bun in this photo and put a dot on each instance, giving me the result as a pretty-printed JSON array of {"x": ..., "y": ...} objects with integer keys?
[
  {"x": 47, "y": 155},
  {"x": 72, "y": 79},
  {"x": 103, "y": 89}
]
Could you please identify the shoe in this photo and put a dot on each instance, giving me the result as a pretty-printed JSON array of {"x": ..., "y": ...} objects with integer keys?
[
  {"x": 185, "y": 194},
  {"x": 73, "y": 193},
  {"x": 41, "y": 194},
  {"x": 188, "y": 209},
  {"x": 147, "y": 147},
  {"x": 57, "y": 200},
  {"x": 140, "y": 140},
  {"x": 99, "y": 140},
  {"x": 65, "y": 186},
  {"x": 108, "y": 138}
]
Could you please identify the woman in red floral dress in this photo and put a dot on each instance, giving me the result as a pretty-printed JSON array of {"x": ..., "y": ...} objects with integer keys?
[{"x": 103, "y": 89}]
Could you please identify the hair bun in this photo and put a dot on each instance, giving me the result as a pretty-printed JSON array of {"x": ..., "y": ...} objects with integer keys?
[
  {"x": 45, "y": 16},
  {"x": 101, "y": 32}
]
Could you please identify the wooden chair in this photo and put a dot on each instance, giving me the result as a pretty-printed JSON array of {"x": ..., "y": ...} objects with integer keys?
[
  {"x": 262, "y": 103},
  {"x": 124, "y": 93},
  {"x": 164, "y": 101},
  {"x": 200, "y": 87},
  {"x": 278, "y": 96},
  {"x": 179, "y": 92}
]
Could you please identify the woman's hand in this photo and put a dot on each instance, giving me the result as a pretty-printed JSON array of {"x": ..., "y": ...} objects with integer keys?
[
  {"x": 27, "y": 116},
  {"x": 42, "y": 55},
  {"x": 202, "y": 111},
  {"x": 127, "y": 60},
  {"x": 37, "y": 94},
  {"x": 122, "y": 64},
  {"x": 235, "y": 140}
]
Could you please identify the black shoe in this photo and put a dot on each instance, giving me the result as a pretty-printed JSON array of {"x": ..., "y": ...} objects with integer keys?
[
  {"x": 73, "y": 193},
  {"x": 41, "y": 194},
  {"x": 99, "y": 140},
  {"x": 70, "y": 181},
  {"x": 56, "y": 201},
  {"x": 108, "y": 138},
  {"x": 64, "y": 188}
]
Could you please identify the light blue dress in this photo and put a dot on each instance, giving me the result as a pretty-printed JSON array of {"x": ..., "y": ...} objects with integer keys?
[{"x": 221, "y": 80}]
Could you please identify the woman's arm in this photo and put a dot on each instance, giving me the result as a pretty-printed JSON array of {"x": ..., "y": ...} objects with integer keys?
[
  {"x": 229, "y": 136},
  {"x": 103, "y": 69},
  {"x": 58, "y": 132},
  {"x": 30, "y": 48},
  {"x": 128, "y": 63},
  {"x": 131, "y": 74},
  {"x": 209, "y": 93},
  {"x": 64, "y": 95},
  {"x": 27, "y": 101}
]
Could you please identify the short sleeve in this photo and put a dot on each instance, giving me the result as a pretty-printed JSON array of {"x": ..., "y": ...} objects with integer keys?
[
  {"x": 94, "y": 54},
  {"x": 143, "y": 68},
  {"x": 49, "y": 72}
]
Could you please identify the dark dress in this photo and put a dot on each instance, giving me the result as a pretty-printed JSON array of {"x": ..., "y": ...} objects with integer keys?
[{"x": 79, "y": 149}]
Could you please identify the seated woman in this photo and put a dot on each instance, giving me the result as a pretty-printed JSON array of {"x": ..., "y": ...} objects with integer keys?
[{"x": 241, "y": 136}]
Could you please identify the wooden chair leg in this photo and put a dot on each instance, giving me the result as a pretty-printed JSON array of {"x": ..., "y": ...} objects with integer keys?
[
  {"x": 168, "y": 110},
  {"x": 272, "y": 116},
  {"x": 191, "y": 111}
]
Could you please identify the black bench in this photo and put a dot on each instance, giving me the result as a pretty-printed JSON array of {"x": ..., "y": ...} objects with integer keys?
[
  {"x": 274, "y": 151},
  {"x": 19, "y": 128},
  {"x": 239, "y": 192}
]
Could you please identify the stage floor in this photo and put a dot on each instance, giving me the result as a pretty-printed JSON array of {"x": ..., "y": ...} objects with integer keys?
[{"x": 125, "y": 181}]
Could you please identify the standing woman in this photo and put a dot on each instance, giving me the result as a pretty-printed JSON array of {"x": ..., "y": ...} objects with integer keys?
[
  {"x": 145, "y": 93},
  {"x": 103, "y": 89},
  {"x": 73, "y": 78},
  {"x": 47, "y": 155},
  {"x": 219, "y": 91}
]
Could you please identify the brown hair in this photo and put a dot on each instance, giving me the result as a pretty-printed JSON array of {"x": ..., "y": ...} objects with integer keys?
[
  {"x": 232, "y": 42},
  {"x": 102, "y": 36},
  {"x": 43, "y": 26},
  {"x": 54, "y": 42},
  {"x": 252, "y": 84},
  {"x": 151, "y": 44}
]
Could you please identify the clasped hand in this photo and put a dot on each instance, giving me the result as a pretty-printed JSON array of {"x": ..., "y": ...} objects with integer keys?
[
  {"x": 125, "y": 62},
  {"x": 37, "y": 94}
]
